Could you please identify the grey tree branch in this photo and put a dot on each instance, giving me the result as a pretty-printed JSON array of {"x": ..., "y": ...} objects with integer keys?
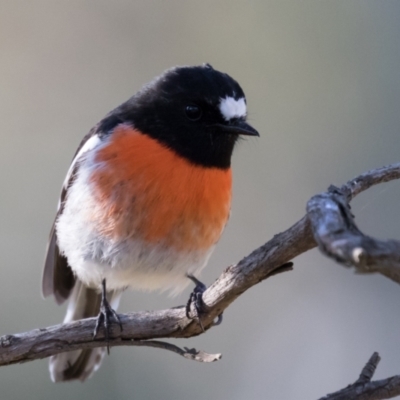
[
  {"x": 328, "y": 224},
  {"x": 338, "y": 236}
]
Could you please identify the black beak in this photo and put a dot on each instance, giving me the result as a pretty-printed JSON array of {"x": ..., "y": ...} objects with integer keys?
[{"x": 239, "y": 127}]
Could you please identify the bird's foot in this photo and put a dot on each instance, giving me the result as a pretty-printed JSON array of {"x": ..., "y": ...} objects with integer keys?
[
  {"x": 106, "y": 314},
  {"x": 196, "y": 301}
]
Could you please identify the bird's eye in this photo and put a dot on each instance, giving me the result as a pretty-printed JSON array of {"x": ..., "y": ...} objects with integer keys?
[{"x": 193, "y": 112}]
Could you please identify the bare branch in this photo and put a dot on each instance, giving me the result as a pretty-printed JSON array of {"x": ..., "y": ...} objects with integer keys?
[
  {"x": 328, "y": 219},
  {"x": 369, "y": 370},
  {"x": 338, "y": 236},
  {"x": 364, "y": 389},
  {"x": 364, "y": 181}
]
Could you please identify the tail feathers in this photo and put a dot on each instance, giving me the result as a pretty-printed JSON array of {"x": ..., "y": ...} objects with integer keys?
[{"x": 81, "y": 364}]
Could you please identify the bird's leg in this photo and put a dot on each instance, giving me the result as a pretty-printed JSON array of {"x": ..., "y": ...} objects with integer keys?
[
  {"x": 105, "y": 315},
  {"x": 196, "y": 299}
]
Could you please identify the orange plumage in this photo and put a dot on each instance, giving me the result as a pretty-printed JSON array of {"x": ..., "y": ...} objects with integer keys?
[{"x": 186, "y": 205}]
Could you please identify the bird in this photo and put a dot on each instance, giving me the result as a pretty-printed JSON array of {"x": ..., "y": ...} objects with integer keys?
[{"x": 144, "y": 201}]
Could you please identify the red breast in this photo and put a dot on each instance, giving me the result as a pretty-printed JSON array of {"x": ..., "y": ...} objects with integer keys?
[{"x": 146, "y": 191}]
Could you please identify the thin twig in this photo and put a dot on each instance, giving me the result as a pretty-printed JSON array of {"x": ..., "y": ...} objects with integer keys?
[{"x": 191, "y": 354}]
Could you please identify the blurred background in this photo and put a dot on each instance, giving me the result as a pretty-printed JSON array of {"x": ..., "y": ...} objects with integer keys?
[{"x": 322, "y": 81}]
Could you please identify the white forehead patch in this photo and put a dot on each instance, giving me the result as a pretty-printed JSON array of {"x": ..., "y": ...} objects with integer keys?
[{"x": 231, "y": 108}]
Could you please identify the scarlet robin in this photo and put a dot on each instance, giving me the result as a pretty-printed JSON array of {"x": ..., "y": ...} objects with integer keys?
[{"x": 145, "y": 200}]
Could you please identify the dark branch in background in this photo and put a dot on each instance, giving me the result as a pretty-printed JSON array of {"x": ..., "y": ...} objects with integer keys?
[
  {"x": 364, "y": 389},
  {"x": 328, "y": 224}
]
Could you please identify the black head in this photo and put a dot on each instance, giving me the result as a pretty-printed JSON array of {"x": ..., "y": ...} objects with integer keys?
[{"x": 196, "y": 111}]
